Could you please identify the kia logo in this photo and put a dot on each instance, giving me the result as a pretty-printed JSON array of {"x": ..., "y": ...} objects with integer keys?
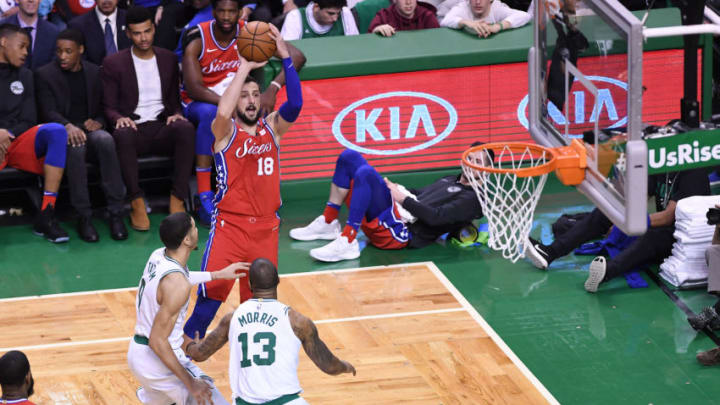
[
  {"x": 405, "y": 117},
  {"x": 605, "y": 105}
]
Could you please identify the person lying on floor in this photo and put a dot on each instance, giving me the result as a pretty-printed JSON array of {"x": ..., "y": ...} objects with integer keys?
[
  {"x": 652, "y": 247},
  {"x": 390, "y": 216}
]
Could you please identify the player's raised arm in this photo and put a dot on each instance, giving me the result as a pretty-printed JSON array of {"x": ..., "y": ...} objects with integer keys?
[
  {"x": 315, "y": 348},
  {"x": 222, "y": 124},
  {"x": 173, "y": 292},
  {"x": 282, "y": 119},
  {"x": 201, "y": 350}
]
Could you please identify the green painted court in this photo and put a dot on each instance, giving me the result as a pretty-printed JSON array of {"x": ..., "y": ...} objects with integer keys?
[{"x": 620, "y": 345}]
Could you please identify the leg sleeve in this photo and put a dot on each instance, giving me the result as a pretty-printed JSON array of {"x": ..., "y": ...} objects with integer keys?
[
  {"x": 50, "y": 142},
  {"x": 202, "y": 115}
]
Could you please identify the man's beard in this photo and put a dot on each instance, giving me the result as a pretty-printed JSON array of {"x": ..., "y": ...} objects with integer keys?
[{"x": 248, "y": 121}]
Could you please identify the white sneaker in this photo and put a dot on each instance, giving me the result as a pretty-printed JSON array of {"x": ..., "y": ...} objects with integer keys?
[
  {"x": 318, "y": 229},
  {"x": 339, "y": 249},
  {"x": 597, "y": 273}
]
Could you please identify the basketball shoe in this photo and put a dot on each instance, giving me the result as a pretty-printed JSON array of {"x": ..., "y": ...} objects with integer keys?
[
  {"x": 318, "y": 229},
  {"x": 206, "y": 207},
  {"x": 597, "y": 274},
  {"x": 337, "y": 250},
  {"x": 47, "y": 226},
  {"x": 538, "y": 253}
]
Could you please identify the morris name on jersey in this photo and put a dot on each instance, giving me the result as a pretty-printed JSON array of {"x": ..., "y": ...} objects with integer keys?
[{"x": 257, "y": 317}]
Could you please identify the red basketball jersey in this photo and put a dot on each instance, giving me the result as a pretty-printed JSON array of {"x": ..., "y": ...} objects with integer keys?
[
  {"x": 218, "y": 64},
  {"x": 248, "y": 173}
]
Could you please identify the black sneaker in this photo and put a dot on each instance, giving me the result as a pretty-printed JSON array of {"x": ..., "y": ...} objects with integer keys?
[
  {"x": 86, "y": 230},
  {"x": 46, "y": 225},
  {"x": 537, "y": 253},
  {"x": 707, "y": 318}
]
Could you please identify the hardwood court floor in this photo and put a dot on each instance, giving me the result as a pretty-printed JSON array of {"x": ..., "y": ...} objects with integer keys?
[{"x": 411, "y": 336}]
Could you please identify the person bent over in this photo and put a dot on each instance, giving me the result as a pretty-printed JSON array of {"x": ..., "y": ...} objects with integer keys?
[
  {"x": 390, "y": 216},
  {"x": 38, "y": 149}
]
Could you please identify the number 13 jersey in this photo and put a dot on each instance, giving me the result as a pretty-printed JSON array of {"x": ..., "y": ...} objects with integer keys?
[
  {"x": 263, "y": 351},
  {"x": 248, "y": 173}
]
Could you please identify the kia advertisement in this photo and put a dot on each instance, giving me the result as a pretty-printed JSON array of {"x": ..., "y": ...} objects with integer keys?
[{"x": 425, "y": 120}]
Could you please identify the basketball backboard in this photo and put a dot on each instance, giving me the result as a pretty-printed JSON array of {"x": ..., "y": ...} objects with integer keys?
[{"x": 599, "y": 51}]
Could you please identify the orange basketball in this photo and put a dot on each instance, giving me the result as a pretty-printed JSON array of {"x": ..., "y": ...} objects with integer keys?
[{"x": 254, "y": 42}]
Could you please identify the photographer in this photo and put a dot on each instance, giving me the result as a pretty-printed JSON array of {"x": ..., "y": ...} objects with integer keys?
[{"x": 708, "y": 317}]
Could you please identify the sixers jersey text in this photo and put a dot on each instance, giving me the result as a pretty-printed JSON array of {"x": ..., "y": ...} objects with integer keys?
[
  {"x": 248, "y": 173},
  {"x": 218, "y": 64}
]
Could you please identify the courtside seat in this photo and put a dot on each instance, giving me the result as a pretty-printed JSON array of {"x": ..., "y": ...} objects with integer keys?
[{"x": 13, "y": 180}]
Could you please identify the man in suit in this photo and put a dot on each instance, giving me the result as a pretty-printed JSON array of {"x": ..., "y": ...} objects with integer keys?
[
  {"x": 104, "y": 30},
  {"x": 69, "y": 92},
  {"x": 148, "y": 120},
  {"x": 42, "y": 33}
]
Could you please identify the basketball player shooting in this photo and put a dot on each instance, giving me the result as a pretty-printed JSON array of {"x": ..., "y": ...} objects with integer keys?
[{"x": 245, "y": 223}]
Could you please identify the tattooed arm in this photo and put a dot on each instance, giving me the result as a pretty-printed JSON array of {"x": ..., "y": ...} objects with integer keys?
[
  {"x": 315, "y": 348},
  {"x": 201, "y": 350}
]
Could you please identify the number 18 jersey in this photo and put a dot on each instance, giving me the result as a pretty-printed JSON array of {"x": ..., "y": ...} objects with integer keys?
[
  {"x": 248, "y": 173},
  {"x": 263, "y": 351}
]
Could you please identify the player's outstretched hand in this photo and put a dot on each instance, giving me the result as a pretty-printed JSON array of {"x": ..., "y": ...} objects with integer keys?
[
  {"x": 348, "y": 367},
  {"x": 201, "y": 391},
  {"x": 232, "y": 271},
  {"x": 282, "y": 49}
]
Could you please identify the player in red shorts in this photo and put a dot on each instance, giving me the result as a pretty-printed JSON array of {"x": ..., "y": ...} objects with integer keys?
[
  {"x": 38, "y": 149},
  {"x": 245, "y": 221},
  {"x": 16, "y": 380}
]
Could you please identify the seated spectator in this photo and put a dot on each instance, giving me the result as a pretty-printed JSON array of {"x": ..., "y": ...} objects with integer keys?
[
  {"x": 654, "y": 246},
  {"x": 16, "y": 380},
  {"x": 103, "y": 29},
  {"x": 390, "y": 216},
  {"x": 484, "y": 17},
  {"x": 166, "y": 15},
  {"x": 69, "y": 91},
  {"x": 65, "y": 10},
  {"x": 321, "y": 18},
  {"x": 708, "y": 317},
  {"x": 42, "y": 33},
  {"x": 38, "y": 149},
  {"x": 147, "y": 118},
  {"x": 404, "y": 15},
  {"x": 206, "y": 76}
]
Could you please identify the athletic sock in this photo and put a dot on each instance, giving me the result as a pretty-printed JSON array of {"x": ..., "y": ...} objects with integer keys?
[
  {"x": 331, "y": 212},
  {"x": 203, "y": 179},
  {"x": 48, "y": 199},
  {"x": 349, "y": 232}
]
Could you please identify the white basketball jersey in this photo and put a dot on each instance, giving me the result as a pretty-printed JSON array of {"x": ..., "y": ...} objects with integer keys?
[
  {"x": 158, "y": 266},
  {"x": 263, "y": 351}
]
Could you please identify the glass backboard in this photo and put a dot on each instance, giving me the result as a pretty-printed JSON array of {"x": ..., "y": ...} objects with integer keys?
[{"x": 586, "y": 82}]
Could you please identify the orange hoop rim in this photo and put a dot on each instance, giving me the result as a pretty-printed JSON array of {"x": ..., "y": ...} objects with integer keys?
[{"x": 533, "y": 171}]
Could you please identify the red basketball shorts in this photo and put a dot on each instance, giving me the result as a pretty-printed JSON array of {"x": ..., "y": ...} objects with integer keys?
[
  {"x": 238, "y": 238},
  {"x": 21, "y": 154}
]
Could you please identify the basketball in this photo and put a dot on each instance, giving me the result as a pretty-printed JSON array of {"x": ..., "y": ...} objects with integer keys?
[{"x": 254, "y": 42}]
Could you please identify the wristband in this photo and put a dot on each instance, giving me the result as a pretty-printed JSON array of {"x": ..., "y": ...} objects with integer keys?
[
  {"x": 199, "y": 277},
  {"x": 276, "y": 84}
]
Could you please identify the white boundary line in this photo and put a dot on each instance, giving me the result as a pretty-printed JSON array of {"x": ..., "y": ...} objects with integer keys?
[
  {"x": 301, "y": 274},
  {"x": 430, "y": 265},
  {"x": 322, "y": 321},
  {"x": 493, "y": 335}
]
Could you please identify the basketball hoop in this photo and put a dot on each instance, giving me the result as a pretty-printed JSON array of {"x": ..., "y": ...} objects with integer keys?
[{"x": 508, "y": 179}]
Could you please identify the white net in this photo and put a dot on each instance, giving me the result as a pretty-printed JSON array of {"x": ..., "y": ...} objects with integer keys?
[{"x": 507, "y": 201}]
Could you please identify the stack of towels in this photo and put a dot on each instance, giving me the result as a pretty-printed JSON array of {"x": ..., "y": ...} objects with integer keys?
[{"x": 686, "y": 267}]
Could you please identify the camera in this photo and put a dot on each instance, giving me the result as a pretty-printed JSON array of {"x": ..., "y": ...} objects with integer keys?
[{"x": 713, "y": 216}]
